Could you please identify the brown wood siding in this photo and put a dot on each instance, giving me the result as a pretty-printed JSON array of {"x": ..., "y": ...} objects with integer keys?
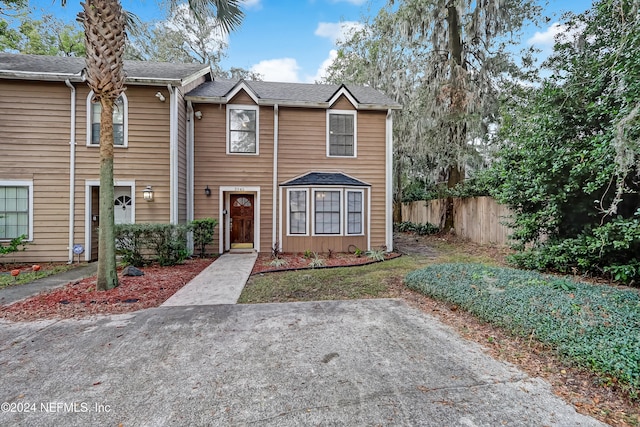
[
  {"x": 182, "y": 156},
  {"x": 214, "y": 168},
  {"x": 182, "y": 149},
  {"x": 342, "y": 104},
  {"x": 242, "y": 98},
  {"x": 34, "y": 145},
  {"x": 145, "y": 160},
  {"x": 303, "y": 137}
]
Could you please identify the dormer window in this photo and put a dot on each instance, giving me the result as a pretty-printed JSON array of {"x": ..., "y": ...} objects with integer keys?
[
  {"x": 341, "y": 133},
  {"x": 242, "y": 129}
]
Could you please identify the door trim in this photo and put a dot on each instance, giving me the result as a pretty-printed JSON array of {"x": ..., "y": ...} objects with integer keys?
[
  {"x": 88, "y": 184},
  {"x": 225, "y": 193}
]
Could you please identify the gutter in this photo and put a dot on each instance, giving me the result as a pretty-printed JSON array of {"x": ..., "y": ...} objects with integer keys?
[
  {"x": 389, "y": 181},
  {"x": 275, "y": 198},
  {"x": 190, "y": 171},
  {"x": 173, "y": 155},
  {"x": 72, "y": 170}
]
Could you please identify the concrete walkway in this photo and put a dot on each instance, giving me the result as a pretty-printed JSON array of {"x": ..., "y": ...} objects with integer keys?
[{"x": 220, "y": 283}]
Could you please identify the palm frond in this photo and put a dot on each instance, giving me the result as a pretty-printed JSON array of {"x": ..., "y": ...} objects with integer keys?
[{"x": 228, "y": 12}]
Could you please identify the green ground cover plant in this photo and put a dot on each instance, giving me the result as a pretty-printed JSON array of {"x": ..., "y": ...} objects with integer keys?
[{"x": 593, "y": 326}]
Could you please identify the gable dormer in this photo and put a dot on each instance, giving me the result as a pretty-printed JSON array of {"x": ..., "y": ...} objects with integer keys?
[
  {"x": 342, "y": 124},
  {"x": 243, "y": 120}
]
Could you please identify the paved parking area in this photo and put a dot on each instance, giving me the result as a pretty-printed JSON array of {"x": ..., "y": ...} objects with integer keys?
[{"x": 355, "y": 363}]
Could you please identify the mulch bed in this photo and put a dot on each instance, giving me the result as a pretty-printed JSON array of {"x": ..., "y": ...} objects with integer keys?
[
  {"x": 80, "y": 299},
  {"x": 297, "y": 261}
]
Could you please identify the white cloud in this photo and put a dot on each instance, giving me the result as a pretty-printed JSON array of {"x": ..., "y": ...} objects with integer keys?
[
  {"x": 252, "y": 4},
  {"x": 337, "y": 31},
  {"x": 322, "y": 70},
  {"x": 556, "y": 32},
  {"x": 278, "y": 70},
  {"x": 547, "y": 38}
]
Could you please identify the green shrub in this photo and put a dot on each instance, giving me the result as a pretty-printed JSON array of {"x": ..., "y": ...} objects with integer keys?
[
  {"x": 164, "y": 243},
  {"x": 130, "y": 243},
  {"x": 607, "y": 250},
  {"x": 16, "y": 244},
  {"x": 595, "y": 326},
  {"x": 203, "y": 233},
  {"x": 168, "y": 242}
]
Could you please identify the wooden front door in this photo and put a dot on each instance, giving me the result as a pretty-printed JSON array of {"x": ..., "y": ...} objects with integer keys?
[{"x": 242, "y": 217}]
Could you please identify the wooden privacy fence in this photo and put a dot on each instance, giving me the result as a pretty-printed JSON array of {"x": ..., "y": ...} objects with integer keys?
[{"x": 478, "y": 219}]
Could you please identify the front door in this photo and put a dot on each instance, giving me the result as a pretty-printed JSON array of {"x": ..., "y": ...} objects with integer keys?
[{"x": 242, "y": 217}]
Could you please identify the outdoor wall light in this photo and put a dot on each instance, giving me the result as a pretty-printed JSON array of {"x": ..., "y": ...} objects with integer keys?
[
  {"x": 147, "y": 193},
  {"x": 160, "y": 96},
  {"x": 207, "y": 191},
  {"x": 198, "y": 115}
]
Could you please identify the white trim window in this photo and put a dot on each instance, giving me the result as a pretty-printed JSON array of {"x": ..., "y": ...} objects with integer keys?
[
  {"x": 297, "y": 212},
  {"x": 16, "y": 209},
  {"x": 243, "y": 129},
  {"x": 342, "y": 138},
  {"x": 355, "y": 212},
  {"x": 120, "y": 121},
  {"x": 327, "y": 210}
]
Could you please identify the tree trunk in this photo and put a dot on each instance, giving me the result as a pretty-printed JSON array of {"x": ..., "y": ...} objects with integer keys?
[
  {"x": 397, "y": 197},
  {"x": 107, "y": 273},
  {"x": 457, "y": 131},
  {"x": 456, "y": 176}
]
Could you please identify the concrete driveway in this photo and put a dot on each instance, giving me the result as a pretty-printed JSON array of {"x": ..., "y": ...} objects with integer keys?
[{"x": 352, "y": 363}]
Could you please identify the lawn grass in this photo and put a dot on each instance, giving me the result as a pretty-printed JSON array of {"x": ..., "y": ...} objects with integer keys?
[
  {"x": 369, "y": 281},
  {"x": 25, "y": 277}
]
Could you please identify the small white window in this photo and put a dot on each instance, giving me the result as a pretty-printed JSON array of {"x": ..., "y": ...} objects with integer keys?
[
  {"x": 327, "y": 212},
  {"x": 298, "y": 212},
  {"x": 355, "y": 212},
  {"x": 16, "y": 209},
  {"x": 120, "y": 121},
  {"x": 342, "y": 133},
  {"x": 242, "y": 129}
]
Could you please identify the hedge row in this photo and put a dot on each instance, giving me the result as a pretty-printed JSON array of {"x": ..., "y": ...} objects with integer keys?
[
  {"x": 139, "y": 244},
  {"x": 595, "y": 326}
]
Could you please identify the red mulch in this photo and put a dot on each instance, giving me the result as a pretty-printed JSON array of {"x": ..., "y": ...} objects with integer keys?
[
  {"x": 297, "y": 261},
  {"x": 80, "y": 298}
]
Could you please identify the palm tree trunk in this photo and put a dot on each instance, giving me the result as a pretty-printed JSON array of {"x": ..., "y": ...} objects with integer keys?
[{"x": 107, "y": 273}]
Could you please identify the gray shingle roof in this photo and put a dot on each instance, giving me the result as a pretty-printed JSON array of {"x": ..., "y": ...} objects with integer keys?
[
  {"x": 40, "y": 67},
  {"x": 274, "y": 92},
  {"x": 325, "y": 178}
]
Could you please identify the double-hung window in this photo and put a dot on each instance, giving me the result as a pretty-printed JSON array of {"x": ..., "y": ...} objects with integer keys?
[
  {"x": 298, "y": 212},
  {"x": 120, "y": 113},
  {"x": 327, "y": 212},
  {"x": 15, "y": 209},
  {"x": 242, "y": 129},
  {"x": 341, "y": 133},
  {"x": 355, "y": 212}
]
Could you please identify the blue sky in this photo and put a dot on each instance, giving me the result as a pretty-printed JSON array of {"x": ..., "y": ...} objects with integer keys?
[{"x": 292, "y": 40}]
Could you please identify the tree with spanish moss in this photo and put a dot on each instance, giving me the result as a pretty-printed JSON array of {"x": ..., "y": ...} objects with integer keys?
[{"x": 446, "y": 62}]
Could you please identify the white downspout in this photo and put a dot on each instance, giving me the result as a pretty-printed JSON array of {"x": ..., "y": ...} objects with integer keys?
[
  {"x": 72, "y": 170},
  {"x": 389, "y": 181},
  {"x": 190, "y": 171},
  {"x": 173, "y": 156},
  {"x": 274, "y": 235}
]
